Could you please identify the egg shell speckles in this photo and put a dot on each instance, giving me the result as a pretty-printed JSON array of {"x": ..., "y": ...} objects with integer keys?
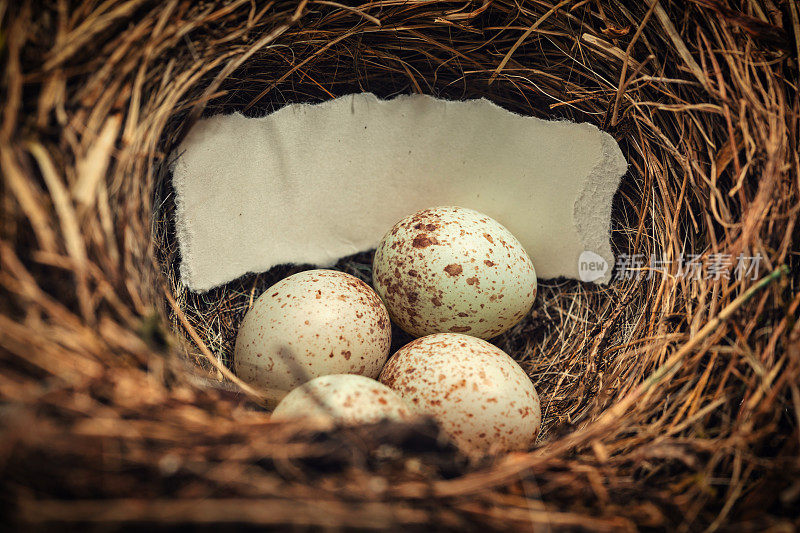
[
  {"x": 479, "y": 395},
  {"x": 311, "y": 324},
  {"x": 451, "y": 269},
  {"x": 345, "y": 398}
]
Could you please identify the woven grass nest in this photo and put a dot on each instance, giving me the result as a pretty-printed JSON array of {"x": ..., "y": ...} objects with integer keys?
[{"x": 669, "y": 401}]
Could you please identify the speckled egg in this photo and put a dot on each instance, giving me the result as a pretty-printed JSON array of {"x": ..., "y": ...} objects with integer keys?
[
  {"x": 311, "y": 324},
  {"x": 478, "y": 394},
  {"x": 346, "y": 398},
  {"x": 451, "y": 269}
]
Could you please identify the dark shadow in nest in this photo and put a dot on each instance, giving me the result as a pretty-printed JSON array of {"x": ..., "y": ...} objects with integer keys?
[{"x": 565, "y": 344}]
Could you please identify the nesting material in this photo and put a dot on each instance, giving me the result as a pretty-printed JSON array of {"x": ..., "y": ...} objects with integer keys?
[{"x": 310, "y": 184}]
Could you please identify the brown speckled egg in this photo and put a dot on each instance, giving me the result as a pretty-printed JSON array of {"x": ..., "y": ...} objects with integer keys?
[
  {"x": 346, "y": 398},
  {"x": 311, "y": 324},
  {"x": 477, "y": 393},
  {"x": 451, "y": 269}
]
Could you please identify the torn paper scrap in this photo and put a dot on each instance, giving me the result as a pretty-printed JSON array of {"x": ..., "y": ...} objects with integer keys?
[{"x": 310, "y": 184}]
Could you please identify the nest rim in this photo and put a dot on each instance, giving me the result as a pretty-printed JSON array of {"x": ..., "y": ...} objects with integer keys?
[{"x": 679, "y": 381}]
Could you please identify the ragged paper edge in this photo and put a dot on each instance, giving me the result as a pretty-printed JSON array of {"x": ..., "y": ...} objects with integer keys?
[
  {"x": 599, "y": 188},
  {"x": 182, "y": 227}
]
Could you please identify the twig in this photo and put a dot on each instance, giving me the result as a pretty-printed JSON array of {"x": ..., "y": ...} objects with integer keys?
[
  {"x": 258, "y": 396},
  {"x": 673, "y": 363},
  {"x": 524, "y": 36}
]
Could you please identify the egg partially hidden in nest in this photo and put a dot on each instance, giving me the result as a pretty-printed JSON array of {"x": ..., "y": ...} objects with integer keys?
[
  {"x": 346, "y": 398},
  {"x": 451, "y": 269},
  {"x": 478, "y": 394},
  {"x": 311, "y": 324}
]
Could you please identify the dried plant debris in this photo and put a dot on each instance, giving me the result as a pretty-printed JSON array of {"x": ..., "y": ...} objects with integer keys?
[{"x": 670, "y": 397}]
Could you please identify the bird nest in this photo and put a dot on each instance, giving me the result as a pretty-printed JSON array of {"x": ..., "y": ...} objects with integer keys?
[{"x": 670, "y": 397}]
